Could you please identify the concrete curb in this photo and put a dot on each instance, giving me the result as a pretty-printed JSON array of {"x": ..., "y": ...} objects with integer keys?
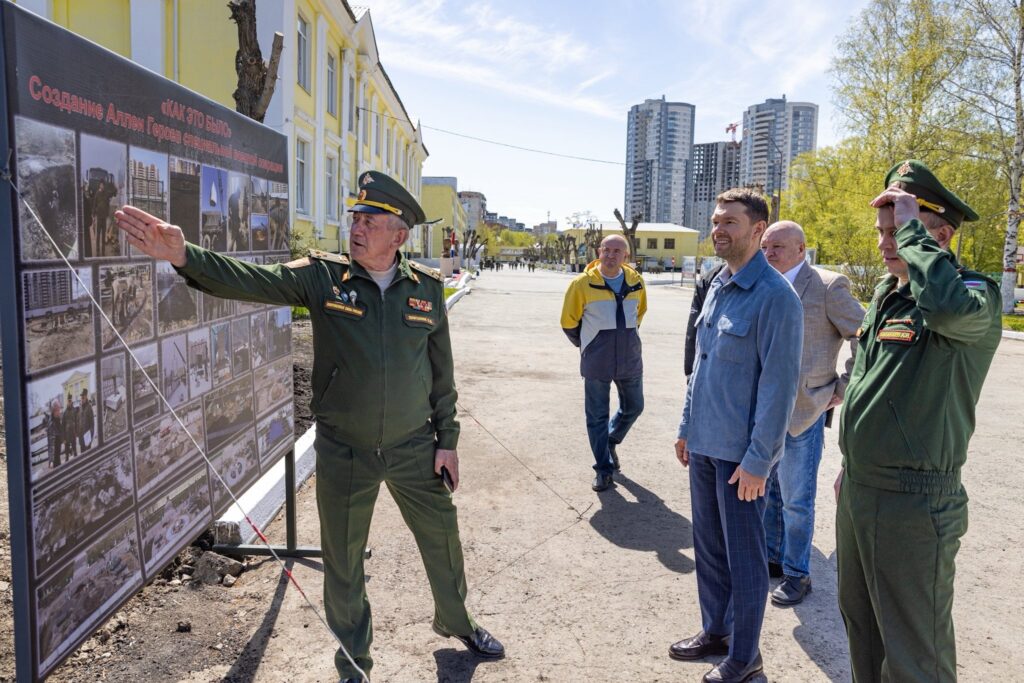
[
  {"x": 262, "y": 501},
  {"x": 1007, "y": 334}
]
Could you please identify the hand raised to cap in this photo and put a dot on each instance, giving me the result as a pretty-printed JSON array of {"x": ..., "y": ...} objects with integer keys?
[
  {"x": 151, "y": 235},
  {"x": 904, "y": 204}
]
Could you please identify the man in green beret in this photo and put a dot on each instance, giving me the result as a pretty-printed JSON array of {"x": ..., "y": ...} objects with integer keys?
[
  {"x": 924, "y": 349},
  {"x": 383, "y": 396}
]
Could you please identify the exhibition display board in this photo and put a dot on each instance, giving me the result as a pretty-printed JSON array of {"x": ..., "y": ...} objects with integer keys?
[{"x": 105, "y": 484}]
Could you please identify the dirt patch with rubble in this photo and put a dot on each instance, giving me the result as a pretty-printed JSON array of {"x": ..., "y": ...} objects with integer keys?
[{"x": 202, "y": 609}]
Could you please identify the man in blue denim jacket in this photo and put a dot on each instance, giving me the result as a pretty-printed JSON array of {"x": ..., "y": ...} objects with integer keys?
[{"x": 737, "y": 410}]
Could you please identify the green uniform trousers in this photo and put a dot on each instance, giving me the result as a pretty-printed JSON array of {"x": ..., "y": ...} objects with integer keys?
[
  {"x": 347, "y": 482},
  {"x": 896, "y": 554}
]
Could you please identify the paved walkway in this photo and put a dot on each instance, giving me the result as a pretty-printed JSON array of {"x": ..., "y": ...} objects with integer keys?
[{"x": 588, "y": 587}]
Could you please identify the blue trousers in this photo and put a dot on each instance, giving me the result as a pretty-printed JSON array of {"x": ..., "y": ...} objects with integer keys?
[
  {"x": 731, "y": 557},
  {"x": 792, "y": 487},
  {"x": 601, "y": 430}
]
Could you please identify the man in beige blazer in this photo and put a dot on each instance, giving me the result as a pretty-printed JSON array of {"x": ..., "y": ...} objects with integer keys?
[{"x": 831, "y": 315}]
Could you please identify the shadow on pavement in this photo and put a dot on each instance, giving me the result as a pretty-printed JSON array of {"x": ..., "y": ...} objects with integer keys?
[
  {"x": 821, "y": 633},
  {"x": 647, "y": 525},
  {"x": 455, "y": 666},
  {"x": 244, "y": 668}
]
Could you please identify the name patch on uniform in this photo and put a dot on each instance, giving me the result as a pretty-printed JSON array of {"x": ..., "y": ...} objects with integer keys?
[
  {"x": 421, "y": 305},
  {"x": 413, "y": 318},
  {"x": 903, "y": 336},
  {"x": 344, "y": 308}
]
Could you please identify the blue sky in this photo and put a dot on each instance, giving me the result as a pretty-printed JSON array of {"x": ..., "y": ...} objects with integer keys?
[{"x": 561, "y": 76}]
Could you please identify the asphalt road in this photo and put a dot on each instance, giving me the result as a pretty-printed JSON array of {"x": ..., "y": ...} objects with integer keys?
[{"x": 584, "y": 586}]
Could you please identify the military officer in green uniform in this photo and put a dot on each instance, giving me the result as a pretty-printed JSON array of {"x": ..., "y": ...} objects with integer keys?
[
  {"x": 383, "y": 396},
  {"x": 924, "y": 349}
]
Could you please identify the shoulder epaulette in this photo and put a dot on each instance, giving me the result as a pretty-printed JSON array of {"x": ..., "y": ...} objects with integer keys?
[
  {"x": 426, "y": 270},
  {"x": 328, "y": 256}
]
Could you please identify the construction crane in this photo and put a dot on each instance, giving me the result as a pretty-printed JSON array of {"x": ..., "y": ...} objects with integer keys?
[{"x": 731, "y": 128}]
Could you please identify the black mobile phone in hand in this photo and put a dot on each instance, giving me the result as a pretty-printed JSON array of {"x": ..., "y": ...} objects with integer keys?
[{"x": 446, "y": 477}]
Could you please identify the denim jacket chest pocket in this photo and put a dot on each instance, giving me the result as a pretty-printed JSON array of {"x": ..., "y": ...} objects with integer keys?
[{"x": 732, "y": 343}]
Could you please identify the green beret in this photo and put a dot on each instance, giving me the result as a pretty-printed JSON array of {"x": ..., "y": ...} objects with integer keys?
[
  {"x": 915, "y": 177},
  {"x": 379, "y": 193}
]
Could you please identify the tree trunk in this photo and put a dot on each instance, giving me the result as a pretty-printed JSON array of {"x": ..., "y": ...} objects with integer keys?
[
  {"x": 1009, "y": 281},
  {"x": 256, "y": 81}
]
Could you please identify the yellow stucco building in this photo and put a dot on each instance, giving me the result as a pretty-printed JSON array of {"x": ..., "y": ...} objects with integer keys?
[
  {"x": 657, "y": 243},
  {"x": 334, "y": 100},
  {"x": 440, "y": 203}
]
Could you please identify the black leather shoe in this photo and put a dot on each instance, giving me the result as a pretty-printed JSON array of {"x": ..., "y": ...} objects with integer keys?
[
  {"x": 775, "y": 570},
  {"x": 615, "y": 456},
  {"x": 791, "y": 591},
  {"x": 699, "y": 646},
  {"x": 731, "y": 671},
  {"x": 481, "y": 643},
  {"x": 602, "y": 482}
]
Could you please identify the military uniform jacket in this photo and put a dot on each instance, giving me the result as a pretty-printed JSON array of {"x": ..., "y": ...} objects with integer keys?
[
  {"x": 923, "y": 352},
  {"x": 382, "y": 362}
]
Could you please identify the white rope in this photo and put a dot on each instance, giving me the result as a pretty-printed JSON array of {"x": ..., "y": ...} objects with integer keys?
[{"x": 181, "y": 423}]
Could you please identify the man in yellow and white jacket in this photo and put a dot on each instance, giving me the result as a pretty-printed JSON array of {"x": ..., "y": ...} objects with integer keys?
[{"x": 601, "y": 315}]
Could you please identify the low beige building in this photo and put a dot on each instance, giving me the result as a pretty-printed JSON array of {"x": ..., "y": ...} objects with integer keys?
[{"x": 664, "y": 244}]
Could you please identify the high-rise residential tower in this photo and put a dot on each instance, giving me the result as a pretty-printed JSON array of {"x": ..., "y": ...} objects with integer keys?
[
  {"x": 716, "y": 168},
  {"x": 774, "y": 133},
  {"x": 659, "y": 147}
]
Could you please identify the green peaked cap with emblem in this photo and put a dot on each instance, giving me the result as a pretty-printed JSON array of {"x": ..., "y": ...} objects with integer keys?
[
  {"x": 379, "y": 193},
  {"x": 915, "y": 177}
]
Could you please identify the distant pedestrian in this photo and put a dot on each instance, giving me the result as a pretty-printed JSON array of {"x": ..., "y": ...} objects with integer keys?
[
  {"x": 601, "y": 315},
  {"x": 737, "y": 409},
  {"x": 925, "y": 347},
  {"x": 831, "y": 316}
]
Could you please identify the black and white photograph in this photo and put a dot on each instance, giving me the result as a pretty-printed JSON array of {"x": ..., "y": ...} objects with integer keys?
[
  {"x": 213, "y": 209},
  {"x": 185, "y": 197},
  {"x": 174, "y": 369},
  {"x": 274, "y": 432},
  {"x": 62, "y": 417},
  {"x": 172, "y": 517},
  {"x": 76, "y": 599},
  {"x": 278, "y": 214},
  {"x": 145, "y": 401},
  {"x": 228, "y": 410},
  {"x": 58, "y": 316},
  {"x": 273, "y": 384},
  {"x": 279, "y": 332},
  {"x": 177, "y": 304},
  {"x": 239, "y": 346},
  {"x": 238, "y": 464},
  {"x": 258, "y": 338},
  {"x": 113, "y": 401},
  {"x": 220, "y": 344},
  {"x": 215, "y": 308},
  {"x": 103, "y": 179},
  {"x": 126, "y": 297},
  {"x": 66, "y": 515},
  {"x": 200, "y": 374},
  {"x": 238, "y": 212},
  {"x": 46, "y": 179},
  {"x": 147, "y": 181},
  {"x": 163, "y": 447}
]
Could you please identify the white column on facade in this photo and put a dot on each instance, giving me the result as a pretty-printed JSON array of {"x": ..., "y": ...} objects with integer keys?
[
  {"x": 348, "y": 68},
  {"x": 319, "y": 156},
  {"x": 361, "y": 115},
  {"x": 40, "y": 7},
  {"x": 147, "y": 34}
]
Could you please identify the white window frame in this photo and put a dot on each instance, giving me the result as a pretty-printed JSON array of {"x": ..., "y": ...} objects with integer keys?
[
  {"x": 377, "y": 121},
  {"x": 387, "y": 147},
  {"x": 331, "y": 185},
  {"x": 302, "y": 53},
  {"x": 332, "y": 85},
  {"x": 302, "y": 184},
  {"x": 366, "y": 121}
]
